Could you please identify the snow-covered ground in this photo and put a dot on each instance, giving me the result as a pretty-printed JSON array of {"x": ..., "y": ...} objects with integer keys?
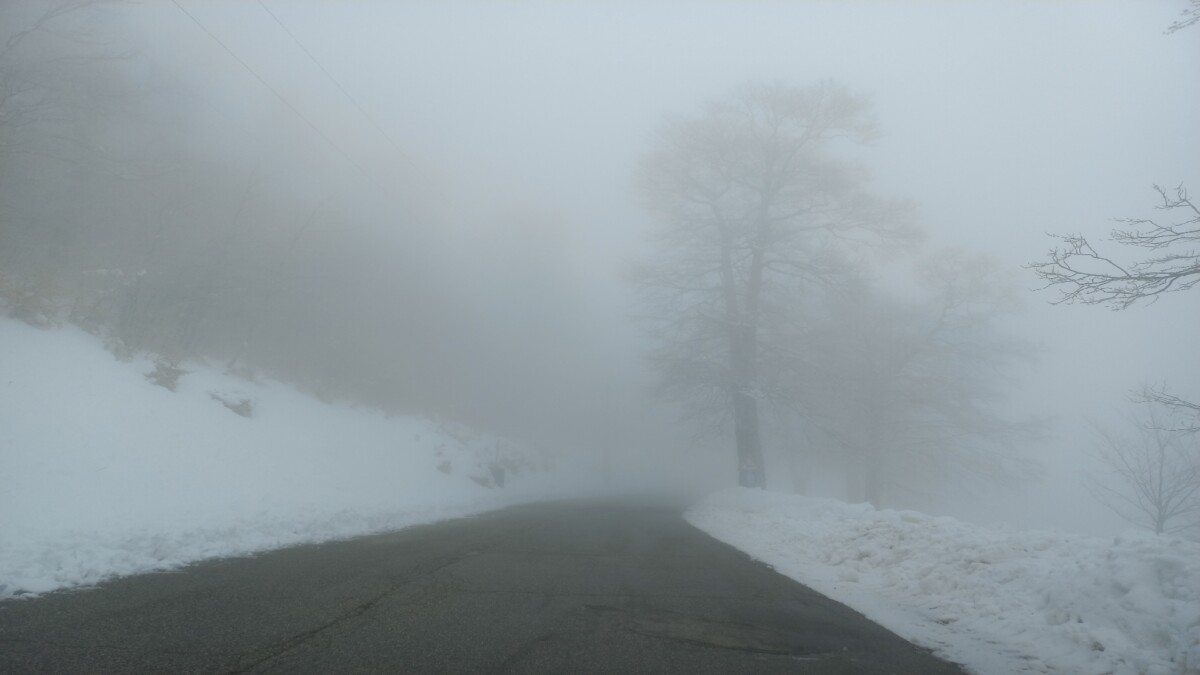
[
  {"x": 103, "y": 473},
  {"x": 994, "y": 600}
]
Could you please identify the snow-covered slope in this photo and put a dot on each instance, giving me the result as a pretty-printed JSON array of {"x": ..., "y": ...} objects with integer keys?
[
  {"x": 103, "y": 473},
  {"x": 997, "y": 601}
]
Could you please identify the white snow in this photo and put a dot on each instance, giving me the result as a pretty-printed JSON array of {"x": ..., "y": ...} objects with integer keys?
[
  {"x": 997, "y": 601},
  {"x": 103, "y": 473}
]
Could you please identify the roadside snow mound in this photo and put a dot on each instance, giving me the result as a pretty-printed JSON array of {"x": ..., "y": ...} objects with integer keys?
[
  {"x": 997, "y": 601},
  {"x": 102, "y": 473}
]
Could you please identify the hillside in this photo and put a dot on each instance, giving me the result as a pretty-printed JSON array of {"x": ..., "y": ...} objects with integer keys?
[{"x": 105, "y": 473}]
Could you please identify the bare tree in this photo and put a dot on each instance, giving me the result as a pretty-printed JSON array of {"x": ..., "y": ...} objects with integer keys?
[
  {"x": 1083, "y": 275},
  {"x": 754, "y": 210},
  {"x": 1154, "y": 473},
  {"x": 38, "y": 82},
  {"x": 44, "y": 63}
]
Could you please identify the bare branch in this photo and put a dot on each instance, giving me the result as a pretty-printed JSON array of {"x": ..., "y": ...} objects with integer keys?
[
  {"x": 1188, "y": 17},
  {"x": 1082, "y": 275},
  {"x": 1183, "y": 415}
]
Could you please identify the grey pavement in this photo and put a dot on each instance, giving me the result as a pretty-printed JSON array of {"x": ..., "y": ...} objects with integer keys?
[{"x": 579, "y": 587}]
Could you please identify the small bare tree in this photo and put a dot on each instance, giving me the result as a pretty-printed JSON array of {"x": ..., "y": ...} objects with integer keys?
[{"x": 1154, "y": 473}]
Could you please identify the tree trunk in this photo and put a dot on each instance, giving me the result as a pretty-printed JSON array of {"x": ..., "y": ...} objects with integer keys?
[
  {"x": 741, "y": 325},
  {"x": 751, "y": 471},
  {"x": 744, "y": 398}
]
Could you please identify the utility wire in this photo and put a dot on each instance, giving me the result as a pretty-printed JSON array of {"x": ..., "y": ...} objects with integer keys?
[
  {"x": 362, "y": 110},
  {"x": 282, "y": 99}
]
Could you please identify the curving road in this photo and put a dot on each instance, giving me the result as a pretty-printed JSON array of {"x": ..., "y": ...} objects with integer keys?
[{"x": 548, "y": 588}]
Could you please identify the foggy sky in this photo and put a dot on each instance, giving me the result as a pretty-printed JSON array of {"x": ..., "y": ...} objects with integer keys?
[{"x": 1001, "y": 120}]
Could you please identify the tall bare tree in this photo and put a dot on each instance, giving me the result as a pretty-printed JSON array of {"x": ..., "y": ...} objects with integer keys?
[{"x": 755, "y": 209}]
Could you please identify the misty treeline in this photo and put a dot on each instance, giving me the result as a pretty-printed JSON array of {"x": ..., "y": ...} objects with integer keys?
[
  {"x": 135, "y": 204},
  {"x": 789, "y": 301}
]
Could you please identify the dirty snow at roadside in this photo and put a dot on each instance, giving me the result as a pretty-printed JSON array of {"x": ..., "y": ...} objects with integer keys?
[
  {"x": 103, "y": 473},
  {"x": 997, "y": 601}
]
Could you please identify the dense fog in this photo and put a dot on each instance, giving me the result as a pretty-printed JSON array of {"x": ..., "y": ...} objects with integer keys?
[{"x": 502, "y": 214}]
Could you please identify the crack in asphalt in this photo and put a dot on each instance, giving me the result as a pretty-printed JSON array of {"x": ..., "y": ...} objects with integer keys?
[
  {"x": 299, "y": 639},
  {"x": 520, "y": 652},
  {"x": 584, "y": 594},
  {"x": 707, "y": 643},
  {"x": 121, "y": 648},
  {"x": 694, "y": 629},
  {"x": 290, "y": 643}
]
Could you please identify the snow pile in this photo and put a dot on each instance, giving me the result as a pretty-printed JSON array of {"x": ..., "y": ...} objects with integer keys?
[
  {"x": 997, "y": 601},
  {"x": 102, "y": 473}
]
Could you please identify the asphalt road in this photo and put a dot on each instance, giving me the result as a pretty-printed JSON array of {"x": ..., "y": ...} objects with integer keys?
[{"x": 551, "y": 588}]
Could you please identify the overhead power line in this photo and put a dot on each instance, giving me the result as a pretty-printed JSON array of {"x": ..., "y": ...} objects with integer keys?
[
  {"x": 358, "y": 106},
  {"x": 317, "y": 130}
]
